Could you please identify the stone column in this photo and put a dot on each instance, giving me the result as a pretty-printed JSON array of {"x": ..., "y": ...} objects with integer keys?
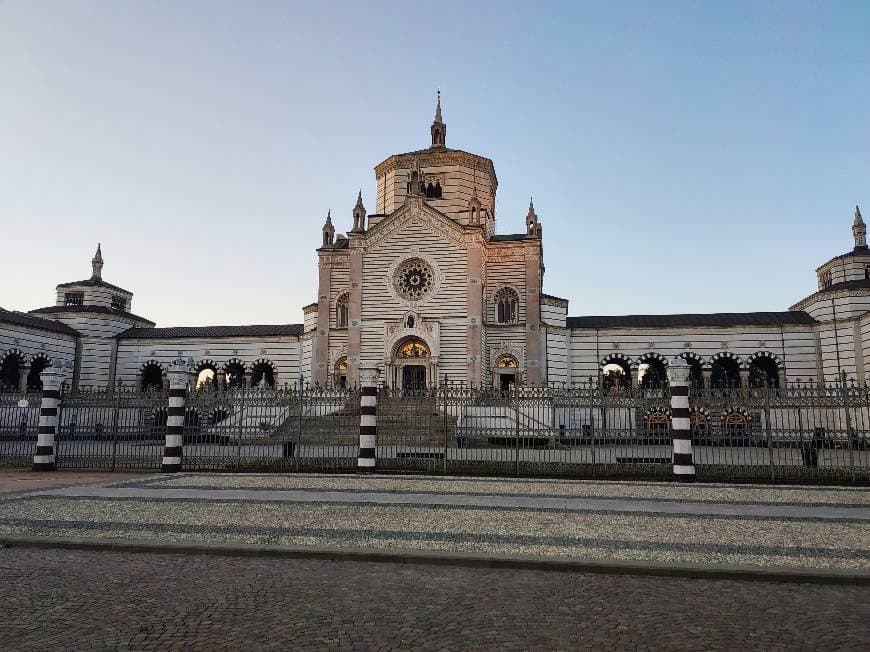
[
  {"x": 172, "y": 452},
  {"x": 707, "y": 374},
  {"x": 220, "y": 379},
  {"x": 474, "y": 312},
  {"x": 533, "y": 318},
  {"x": 248, "y": 375},
  {"x": 744, "y": 378},
  {"x": 354, "y": 311},
  {"x": 22, "y": 379},
  {"x": 368, "y": 420},
  {"x": 44, "y": 459},
  {"x": 681, "y": 427},
  {"x": 320, "y": 363}
]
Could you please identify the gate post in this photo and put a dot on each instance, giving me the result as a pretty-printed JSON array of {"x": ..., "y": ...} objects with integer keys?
[
  {"x": 681, "y": 427},
  {"x": 368, "y": 415},
  {"x": 44, "y": 459},
  {"x": 172, "y": 451}
]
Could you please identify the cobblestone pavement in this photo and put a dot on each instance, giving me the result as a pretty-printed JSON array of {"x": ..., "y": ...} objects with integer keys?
[
  {"x": 795, "y": 527},
  {"x": 55, "y": 600}
]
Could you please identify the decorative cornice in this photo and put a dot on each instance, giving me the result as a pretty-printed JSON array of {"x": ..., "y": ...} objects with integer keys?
[{"x": 437, "y": 158}]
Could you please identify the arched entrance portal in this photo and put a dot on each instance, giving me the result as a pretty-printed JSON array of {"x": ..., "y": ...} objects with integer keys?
[{"x": 412, "y": 363}]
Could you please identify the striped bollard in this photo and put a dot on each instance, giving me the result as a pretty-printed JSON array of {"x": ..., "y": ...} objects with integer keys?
[
  {"x": 172, "y": 452},
  {"x": 44, "y": 459},
  {"x": 681, "y": 427},
  {"x": 368, "y": 419}
]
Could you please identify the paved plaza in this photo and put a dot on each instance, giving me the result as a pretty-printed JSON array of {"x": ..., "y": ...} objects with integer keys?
[
  {"x": 56, "y": 600},
  {"x": 757, "y": 526}
]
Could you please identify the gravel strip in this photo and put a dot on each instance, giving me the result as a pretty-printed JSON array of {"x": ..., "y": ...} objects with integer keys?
[
  {"x": 790, "y": 536},
  {"x": 717, "y": 493},
  {"x": 387, "y": 543}
]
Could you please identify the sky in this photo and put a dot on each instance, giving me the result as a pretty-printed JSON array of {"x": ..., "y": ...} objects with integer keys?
[{"x": 682, "y": 156}]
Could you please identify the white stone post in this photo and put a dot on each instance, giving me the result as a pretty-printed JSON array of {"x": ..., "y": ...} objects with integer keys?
[
  {"x": 368, "y": 420},
  {"x": 681, "y": 427},
  {"x": 44, "y": 459},
  {"x": 172, "y": 452}
]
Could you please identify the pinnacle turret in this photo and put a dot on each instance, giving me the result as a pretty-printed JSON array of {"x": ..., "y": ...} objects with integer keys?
[
  {"x": 359, "y": 215},
  {"x": 438, "y": 129},
  {"x": 328, "y": 230},
  {"x": 859, "y": 230},
  {"x": 97, "y": 265}
]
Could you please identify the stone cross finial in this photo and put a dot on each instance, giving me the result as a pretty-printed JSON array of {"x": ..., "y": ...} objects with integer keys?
[{"x": 97, "y": 265}]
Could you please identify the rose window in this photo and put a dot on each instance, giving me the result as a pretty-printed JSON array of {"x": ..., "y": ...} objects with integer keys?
[{"x": 414, "y": 279}]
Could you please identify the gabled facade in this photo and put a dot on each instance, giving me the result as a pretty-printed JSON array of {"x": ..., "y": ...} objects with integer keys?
[{"x": 428, "y": 290}]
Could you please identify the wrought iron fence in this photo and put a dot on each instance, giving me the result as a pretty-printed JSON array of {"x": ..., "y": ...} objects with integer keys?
[
  {"x": 802, "y": 432},
  {"x": 119, "y": 427}
]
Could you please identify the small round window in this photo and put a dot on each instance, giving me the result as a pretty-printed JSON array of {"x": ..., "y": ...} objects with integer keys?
[{"x": 414, "y": 279}]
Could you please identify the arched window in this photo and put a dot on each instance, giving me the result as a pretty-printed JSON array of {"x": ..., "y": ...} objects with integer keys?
[
  {"x": 341, "y": 310},
  {"x": 260, "y": 371},
  {"x": 437, "y": 193},
  {"x": 152, "y": 376},
  {"x": 341, "y": 372},
  {"x": 615, "y": 375},
  {"x": 10, "y": 372},
  {"x": 235, "y": 372},
  {"x": 37, "y": 366},
  {"x": 430, "y": 190},
  {"x": 506, "y": 306},
  {"x": 763, "y": 372},
  {"x": 651, "y": 374},
  {"x": 867, "y": 272},
  {"x": 206, "y": 376},
  {"x": 506, "y": 361},
  {"x": 413, "y": 348},
  {"x": 725, "y": 374}
]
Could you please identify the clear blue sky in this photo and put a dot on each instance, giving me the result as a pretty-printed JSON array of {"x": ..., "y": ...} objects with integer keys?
[{"x": 683, "y": 156}]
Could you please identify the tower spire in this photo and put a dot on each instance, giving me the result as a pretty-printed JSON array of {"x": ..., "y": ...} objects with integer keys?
[
  {"x": 328, "y": 230},
  {"x": 359, "y": 215},
  {"x": 97, "y": 265},
  {"x": 859, "y": 230},
  {"x": 438, "y": 129}
]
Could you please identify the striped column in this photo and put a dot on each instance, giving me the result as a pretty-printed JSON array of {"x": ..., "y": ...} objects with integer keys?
[
  {"x": 44, "y": 459},
  {"x": 681, "y": 428},
  {"x": 368, "y": 419},
  {"x": 172, "y": 452}
]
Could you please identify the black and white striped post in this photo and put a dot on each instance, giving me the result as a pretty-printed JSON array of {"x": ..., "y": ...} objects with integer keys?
[
  {"x": 368, "y": 419},
  {"x": 52, "y": 379},
  {"x": 681, "y": 427},
  {"x": 172, "y": 452}
]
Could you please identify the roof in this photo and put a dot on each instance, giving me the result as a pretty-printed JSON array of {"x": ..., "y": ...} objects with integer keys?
[
  {"x": 176, "y": 332},
  {"x": 95, "y": 283},
  {"x": 102, "y": 310},
  {"x": 507, "y": 237},
  {"x": 554, "y": 297},
  {"x": 29, "y": 321},
  {"x": 791, "y": 317},
  {"x": 857, "y": 251},
  {"x": 858, "y": 284}
]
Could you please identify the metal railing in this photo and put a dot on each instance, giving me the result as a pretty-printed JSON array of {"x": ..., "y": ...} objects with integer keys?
[{"x": 801, "y": 432}]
